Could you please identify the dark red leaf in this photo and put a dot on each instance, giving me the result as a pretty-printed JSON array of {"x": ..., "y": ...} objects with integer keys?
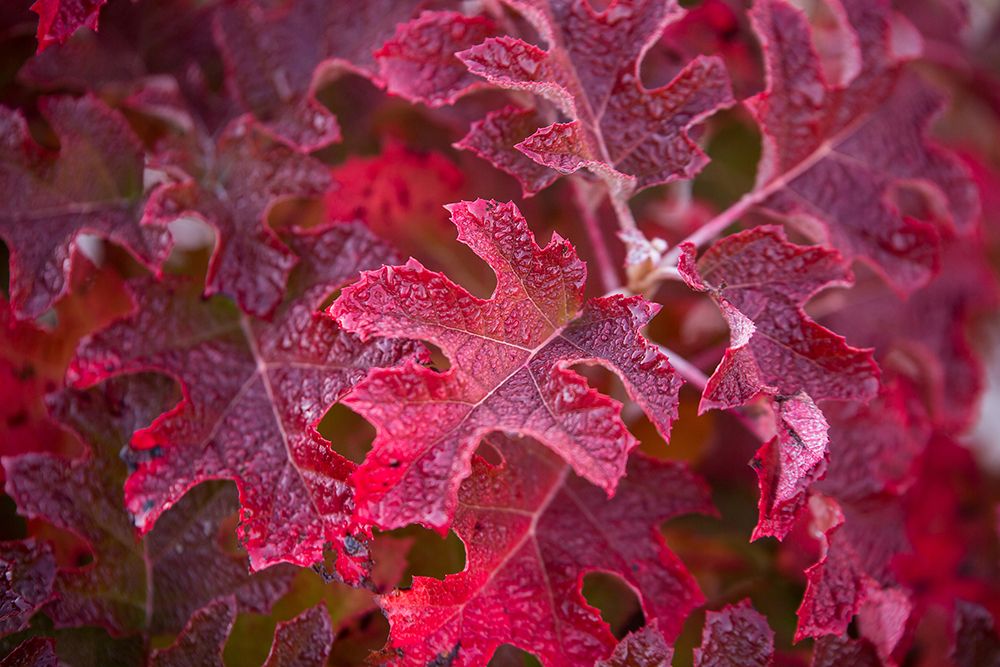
[
  {"x": 633, "y": 136},
  {"x": 789, "y": 463},
  {"x": 200, "y": 643},
  {"x": 493, "y": 138},
  {"x": 760, "y": 281},
  {"x": 34, "y": 652},
  {"x": 59, "y": 19},
  {"x": 737, "y": 635},
  {"x": 84, "y": 496},
  {"x": 278, "y": 53},
  {"x": 643, "y": 648},
  {"x": 839, "y": 651},
  {"x": 419, "y": 62},
  {"x": 532, "y": 530},
  {"x": 93, "y": 184},
  {"x": 303, "y": 641},
  {"x": 837, "y": 151},
  {"x": 253, "y": 393},
  {"x": 976, "y": 640},
  {"x": 27, "y": 573},
  {"x": 234, "y": 189},
  {"x": 510, "y": 368}
]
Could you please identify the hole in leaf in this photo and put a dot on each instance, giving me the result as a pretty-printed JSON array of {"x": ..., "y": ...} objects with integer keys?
[
  {"x": 439, "y": 360},
  {"x": 430, "y": 555},
  {"x": 616, "y": 600},
  {"x": 490, "y": 452},
  {"x": 348, "y": 432},
  {"x": 511, "y": 656}
]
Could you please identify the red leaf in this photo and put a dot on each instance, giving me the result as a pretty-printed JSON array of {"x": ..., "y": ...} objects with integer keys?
[
  {"x": 789, "y": 463},
  {"x": 737, "y": 635},
  {"x": 27, "y": 573},
  {"x": 84, "y": 496},
  {"x": 277, "y": 55},
  {"x": 234, "y": 189},
  {"x": 532, "y": 530},
  {"x": 619, "y": 129},
  {"x": 34, "y": 652},
  {"x": 59, "y": 19},
  {"x": 493, "y": 138},
  {"x": 94, "y": 184},
  {"x": 837, "y": 151},
  {"x": 643, "y": 648},
  {"x": 976, "y": 640},
  {"x": 419, "y": 62},
  {"x": 303, "y": 641},
  {"x": 838, "y": 651},
  {"x": 860, "y": 544},
  {"x": 760, "y": 281},
  {"x": 510, "y": 356},
  {"x": 253, "y": 392},
  {"x": 200, "y": 643}
]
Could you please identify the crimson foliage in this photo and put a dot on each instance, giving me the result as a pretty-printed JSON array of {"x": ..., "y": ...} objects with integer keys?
[{"x": 240, "y": 427}]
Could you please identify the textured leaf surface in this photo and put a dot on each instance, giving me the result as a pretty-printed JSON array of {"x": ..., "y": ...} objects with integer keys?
[
  {"x": 835, "y": 151},
  {"x": 84, "y": 496},
  {"x": 200, "y": 643},
  {"x": 494, "y": 139},
  {"x": 27, "y": 574},
  {"x": 59, "y": 19},
  {"x": 976, "y": 639},
  {"x": 737, "y": 635},
  {"x": 276, "y": 55},
  {"x": 532, "y": 530},
  {"x": 643, "y": 648},
  {"x": 253, "y": 393},
  {"x": 635, "y": 136},
  {"x": 419, "y": 62},
  {"x": 303, "y": 641},
  {"x": 93, "y": 184},
  {"x": 510, "y": 357},
  {"x": 34, "y": 652},
  {"x": 789, "y": 463},
  {"x": 233, "y": 188},
  {"x": 760, "y": 282},
  {"x": 836, "y": 651}
]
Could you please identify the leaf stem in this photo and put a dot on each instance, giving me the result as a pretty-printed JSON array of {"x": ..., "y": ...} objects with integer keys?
[
  {"x": 686, "y": 369},
  {"x": 605, "y": 265}
]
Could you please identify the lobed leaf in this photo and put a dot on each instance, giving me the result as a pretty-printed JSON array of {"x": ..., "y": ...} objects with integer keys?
[{"x": 510, "y": 368}]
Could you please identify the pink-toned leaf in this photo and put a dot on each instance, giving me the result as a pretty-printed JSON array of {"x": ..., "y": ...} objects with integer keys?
[
  {"x": 976, "y": 642},
  {"x": 493, "y": 138},
  {"x": 619, "y": 129},
  {"x": 84, "y": 496},
  {"x": 200, "y": 642},
  {"x": 253, "y": 393},
  {"x": 838, "y": 152},
  {"x": 929, "y": 331},
  {"x": 532, "y": 530},
  {"x": 859, "y": 546},
  {"x": 643, "y": 648},
  {"x": 761, "y": 281},
  {"x": 93, "y": 184},
  {"x": 789, "y": 463},
  {"x": 234, "y": 189},
  {"x": 303, "y": 641},
  {"x": 737, "y": 635},
  {"x": 837, "y": 651},
  {"x": 277, "y": 54},
  {"x": 59, "y": 19},
  {"x": 27, "y": 574},
  {"x": 874, "y": 447},
  {"x": 33, "y": 652},
  {"x": 510, "y": 368},
  {"x": 419, "y": 62}
]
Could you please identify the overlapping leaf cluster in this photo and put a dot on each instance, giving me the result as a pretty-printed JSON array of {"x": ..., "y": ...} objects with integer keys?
[{"x": 207, "y": 209}]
